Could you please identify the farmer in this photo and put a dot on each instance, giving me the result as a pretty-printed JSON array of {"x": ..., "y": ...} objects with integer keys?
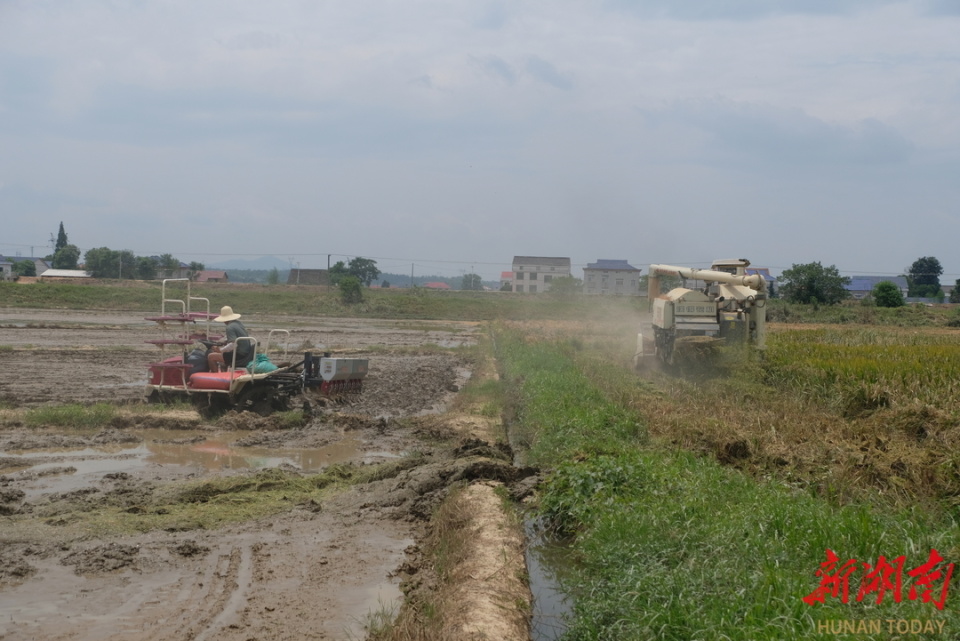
[{"x": 219, "y": 357}]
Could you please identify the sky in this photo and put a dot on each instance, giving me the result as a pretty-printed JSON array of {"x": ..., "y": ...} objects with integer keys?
[{"x": 446, "y": 137}]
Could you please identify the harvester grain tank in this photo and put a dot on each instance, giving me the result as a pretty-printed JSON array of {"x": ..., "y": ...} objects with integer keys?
[{"x": 730, "y": 307}]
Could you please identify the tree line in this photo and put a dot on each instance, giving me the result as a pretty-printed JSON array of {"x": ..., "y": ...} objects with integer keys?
[
  {"x": 103, "y": 262},
  {"x": 807, "y": 283},
  {"x": 812, "y": 283}
]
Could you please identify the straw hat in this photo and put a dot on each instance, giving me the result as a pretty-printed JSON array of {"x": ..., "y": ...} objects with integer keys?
[{"x": 226, "y": 314}]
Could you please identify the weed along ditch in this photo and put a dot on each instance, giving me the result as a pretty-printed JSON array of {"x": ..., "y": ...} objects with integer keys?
[{"x": 507, "y": 479}]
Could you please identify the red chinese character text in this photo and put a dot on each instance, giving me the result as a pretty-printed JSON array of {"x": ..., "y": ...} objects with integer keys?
[
  {"x": 927, "y": 576},
  {"x": 832, "y": 580},
  {"x": 878, "y": 579}
]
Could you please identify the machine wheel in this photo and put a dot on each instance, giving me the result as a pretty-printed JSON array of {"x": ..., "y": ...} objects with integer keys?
[
  {"x": 262, "y": 400},
  {"x": 210, "y": 406},
  {"x": 156, "y": 397},
  {"x": 664, "y": 345}
]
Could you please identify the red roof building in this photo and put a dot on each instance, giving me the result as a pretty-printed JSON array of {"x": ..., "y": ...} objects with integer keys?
[{"x": 211, "y": 276}]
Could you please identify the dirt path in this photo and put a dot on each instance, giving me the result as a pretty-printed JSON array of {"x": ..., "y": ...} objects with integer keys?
[{"x": 320, "y": 569}]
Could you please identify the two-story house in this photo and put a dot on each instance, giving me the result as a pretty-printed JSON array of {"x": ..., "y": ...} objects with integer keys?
[
  {"x": 532, "y": 274},
  {"x": 611, "y": 277}
]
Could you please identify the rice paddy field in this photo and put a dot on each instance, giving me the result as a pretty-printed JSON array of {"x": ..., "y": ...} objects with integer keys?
[
  {"x": 812, "y": 491},
  {"x": 702, "y": 503}
]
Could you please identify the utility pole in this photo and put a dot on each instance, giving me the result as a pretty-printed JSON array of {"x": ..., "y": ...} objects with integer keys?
[{"x": 411, "y": 275}]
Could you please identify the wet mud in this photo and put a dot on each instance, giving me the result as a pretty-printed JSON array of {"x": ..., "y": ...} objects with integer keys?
[{"x": 320, "y": 567}]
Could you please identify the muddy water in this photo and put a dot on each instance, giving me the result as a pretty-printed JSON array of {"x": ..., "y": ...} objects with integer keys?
[{"x": 190, "y": 451}]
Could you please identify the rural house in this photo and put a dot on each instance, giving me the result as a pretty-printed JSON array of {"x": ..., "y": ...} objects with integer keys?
[
  {"x": 861, "y": 286},
  {"x": 212, "y": 276},
  {"x": 532, "y": 274},
  {"x": 40, "y": 264},
  {"x": 611, "y": 277}
]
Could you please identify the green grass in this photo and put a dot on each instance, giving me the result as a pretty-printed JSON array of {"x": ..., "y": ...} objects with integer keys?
[
  {"x": 71, "y": 416},
  {"x": 673, "y": 545},
  {"x": 556, "y": 408},
  {"x": 390, "y": 303},
  {"x": 853, "y": 312}
]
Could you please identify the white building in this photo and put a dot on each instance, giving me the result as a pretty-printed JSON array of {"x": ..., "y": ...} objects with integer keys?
[{"x": 532, "y": 274}]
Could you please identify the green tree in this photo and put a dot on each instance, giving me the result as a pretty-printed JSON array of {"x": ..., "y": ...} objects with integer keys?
[
  {"x": 66, "y": 257},
  {"x": 102, "y": 262},
  {"x": 813, "y": 283},
  {"x": 146, "y": 267},
  {"x": 25, "y": 268},
  {"x": 351, "y": 290},
  {"x": 923, "y": 277},
  {"x": 128, "y": 264},
  {"x": 194, "y": 269},
  {"x": 888, "y": 294},
  {"x": 273, "y": 278},
  {"x": 337, "y": 272},
  {"x": 955, "y": 293},
  {"x": 566, "y": 286},
  {"x": 471, "y": 282},
  {"x": 169, "y": 265},
  {"x": 385, "y": 284},
  {"x": 61, "y": 242},
  {"x": 364, "y": 269}
]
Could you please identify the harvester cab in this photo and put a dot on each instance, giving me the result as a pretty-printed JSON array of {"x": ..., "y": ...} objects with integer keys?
[{"x": 723, "y": 304}]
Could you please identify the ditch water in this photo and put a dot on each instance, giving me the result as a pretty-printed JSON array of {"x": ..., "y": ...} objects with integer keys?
[{"x": 547, "y": 561}]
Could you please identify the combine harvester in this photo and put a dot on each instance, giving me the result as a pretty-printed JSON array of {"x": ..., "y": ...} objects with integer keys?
[
  {"x": 690, "y": 323},
  {"x": 184, "y": 376}
]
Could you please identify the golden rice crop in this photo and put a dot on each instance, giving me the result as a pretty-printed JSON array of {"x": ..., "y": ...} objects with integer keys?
[{"x": 907, "y": 365}]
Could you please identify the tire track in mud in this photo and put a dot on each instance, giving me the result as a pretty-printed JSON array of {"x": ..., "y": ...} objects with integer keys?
[
  {"x": 231, "y": 595},
  {"x": 203, "y": 606}
]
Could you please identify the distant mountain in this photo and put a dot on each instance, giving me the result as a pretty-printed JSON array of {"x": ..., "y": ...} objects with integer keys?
[{"x": 263, "y": 262}]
